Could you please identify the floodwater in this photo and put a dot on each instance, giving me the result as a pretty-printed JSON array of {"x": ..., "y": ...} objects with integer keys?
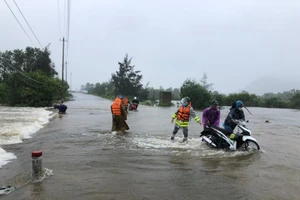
[
  {"x": 18, "y": 124},
  {"x": 88, "y": 162}
]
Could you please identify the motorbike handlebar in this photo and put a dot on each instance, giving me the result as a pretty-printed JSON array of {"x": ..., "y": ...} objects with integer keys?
[{"x": 241, "y": 121}]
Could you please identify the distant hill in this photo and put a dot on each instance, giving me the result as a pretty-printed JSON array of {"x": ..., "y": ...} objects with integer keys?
[{"x": 268, "y": 84}]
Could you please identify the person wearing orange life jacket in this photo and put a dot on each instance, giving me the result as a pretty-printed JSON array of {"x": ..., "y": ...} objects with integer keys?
[
  {"x": 125, "y": 103},
  {"x": 182, "y": 118},
  {"x": 118, "y": 115}
]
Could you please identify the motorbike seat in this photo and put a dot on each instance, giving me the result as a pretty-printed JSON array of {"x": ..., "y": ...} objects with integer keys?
[{"x": 226, "y": 132}]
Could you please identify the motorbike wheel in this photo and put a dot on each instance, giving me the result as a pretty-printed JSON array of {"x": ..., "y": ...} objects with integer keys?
[{"x": 250, "y": 145}]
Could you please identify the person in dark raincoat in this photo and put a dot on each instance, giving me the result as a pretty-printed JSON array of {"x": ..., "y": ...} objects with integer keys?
[
  {"x": 236, "y": 113},
  {"x": 118, "y": 115},
  {"x": 136, "y": 102},
  {"x": 61, "y": 108}
]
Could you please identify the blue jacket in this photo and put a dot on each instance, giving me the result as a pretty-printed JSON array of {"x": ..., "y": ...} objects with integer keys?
[{"x": 234, "y": 113}]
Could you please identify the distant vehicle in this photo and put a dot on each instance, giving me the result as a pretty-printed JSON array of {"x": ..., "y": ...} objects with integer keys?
[{"x": 132, "y": 107}]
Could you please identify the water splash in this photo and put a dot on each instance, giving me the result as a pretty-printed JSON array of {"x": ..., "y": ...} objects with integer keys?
[
  {"x": 18, "y": 124},
  {"x": 45, "y": 174},
  {"x": 5, "y": 157},
  {"x": 194, "y": 147}
]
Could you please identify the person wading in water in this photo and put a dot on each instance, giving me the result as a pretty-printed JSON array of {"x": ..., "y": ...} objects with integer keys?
[{"x": 118, "y": 115}]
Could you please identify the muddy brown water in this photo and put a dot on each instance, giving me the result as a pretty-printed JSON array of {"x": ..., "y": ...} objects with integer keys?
[{"x": 89, "y": 162}]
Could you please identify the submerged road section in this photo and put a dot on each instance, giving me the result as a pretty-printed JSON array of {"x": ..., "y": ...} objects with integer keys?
[{"x": 89, "y": 162}]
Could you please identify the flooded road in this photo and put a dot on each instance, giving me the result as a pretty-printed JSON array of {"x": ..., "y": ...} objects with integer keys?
[{"x": 89, "y": 162}]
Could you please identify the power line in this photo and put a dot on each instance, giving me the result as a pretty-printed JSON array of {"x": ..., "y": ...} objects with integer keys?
[
  {"x": 68, "y": 36},
  {"x": 28, "y": 24},
  {"x": 24, "y": 80},
  {"x": 18, "y": 22},
  {"x": 29, "y": 83},
  {"x": 64, "y": 17},
  {"x": 69, "y": 10},
  {"x": 12, "y": 67},
  {"x": 58, "y": 11},
  {"x": 68, "y": 28}
]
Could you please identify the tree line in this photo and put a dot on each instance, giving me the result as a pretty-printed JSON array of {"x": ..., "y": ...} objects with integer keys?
[
  {"x": 28, "y": 78},
  {"x": 202, "y": 95},
  {"x": 127, "y": 81}
]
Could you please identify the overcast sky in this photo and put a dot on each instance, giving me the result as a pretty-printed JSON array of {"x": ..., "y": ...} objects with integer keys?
[{"x": 235, "y": 41}]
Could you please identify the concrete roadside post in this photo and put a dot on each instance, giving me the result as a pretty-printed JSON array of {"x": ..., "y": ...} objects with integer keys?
[{"x": 36, "y": 164}]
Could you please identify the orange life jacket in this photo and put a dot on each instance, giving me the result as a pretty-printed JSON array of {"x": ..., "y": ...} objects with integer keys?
[
  {"x": 183, "y": 113},
  {"x": 116, "y": 107},
  {"x": 125, "y": 102}
]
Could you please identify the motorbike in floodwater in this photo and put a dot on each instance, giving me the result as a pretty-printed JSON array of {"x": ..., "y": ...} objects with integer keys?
[
  {"x": 218, "y": 138},
  {"x": 133, "y": 107}
]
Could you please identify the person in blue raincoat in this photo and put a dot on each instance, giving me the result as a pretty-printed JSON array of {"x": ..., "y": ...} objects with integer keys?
[
  {"x": 236, "y": 113},
  {"x": 61, "y": 108}
]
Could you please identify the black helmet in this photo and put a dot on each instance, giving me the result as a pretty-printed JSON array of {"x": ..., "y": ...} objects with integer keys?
[{"x": 214, "y": 102}]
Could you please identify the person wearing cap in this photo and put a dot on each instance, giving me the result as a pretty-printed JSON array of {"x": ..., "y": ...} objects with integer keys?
[
  {"x": 236, "y": 113},
  {"x": 118, "y": 115},
  {"x": 211, "y": 115}
]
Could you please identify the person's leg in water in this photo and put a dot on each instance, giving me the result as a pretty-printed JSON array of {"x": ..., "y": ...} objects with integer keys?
[
  {"x": 115, "y": 124},
  {"x": 176, "y": 128},
  {"x": 228, "y": 129},
  {"x": 185, "y": 133}
]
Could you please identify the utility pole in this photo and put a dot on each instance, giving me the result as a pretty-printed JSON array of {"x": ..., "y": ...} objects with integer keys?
[
  {"x": 62, "y": 76},
  {"x": 71, "y": 82},
  {"x": 66, "y": 71}
]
